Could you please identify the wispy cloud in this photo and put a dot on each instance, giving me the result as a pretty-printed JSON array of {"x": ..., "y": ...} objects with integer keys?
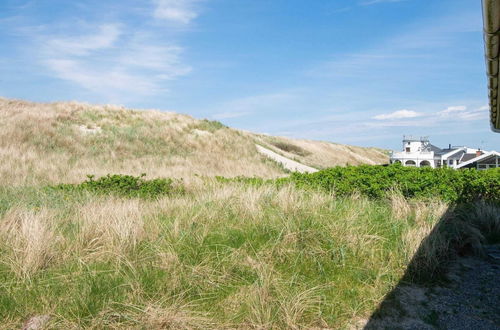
[
  {"x": 463, "y": 113},
  {"x": 400, "y": 114},
  {"x": 109, "y": 62},
  {"x": 111, "y": 82},
  {"x": 409, "y": 118},
  {"x": 112, "y": 60},
  {"x": 105, "y": 36},
  {"x": 413, "y": 43},
  {"x": 176, "y": 11},
  {"x": 453, "y": 109}
]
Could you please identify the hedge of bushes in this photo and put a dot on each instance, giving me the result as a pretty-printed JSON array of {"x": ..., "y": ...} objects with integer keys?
[
  {"x": 374, "y": 181},
  {"x": 125, "y": 185}
]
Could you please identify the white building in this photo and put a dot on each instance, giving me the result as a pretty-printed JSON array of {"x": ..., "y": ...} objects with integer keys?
[{"x": 421, "y": 153}]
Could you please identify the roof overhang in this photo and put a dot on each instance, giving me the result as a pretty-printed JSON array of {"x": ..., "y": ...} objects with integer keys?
[
  {"x": 479, "y": 158},
  {"x": 491, "y": 18},
  {"x": 451, "y": 153}
]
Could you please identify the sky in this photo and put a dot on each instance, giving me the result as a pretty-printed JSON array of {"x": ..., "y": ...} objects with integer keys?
[{"x": 360, "y": 72}]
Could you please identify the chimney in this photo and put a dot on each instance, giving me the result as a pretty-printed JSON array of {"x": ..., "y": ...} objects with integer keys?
[
  {"x": 449, "y": 146},
  {"x": 478, "y": 152}
]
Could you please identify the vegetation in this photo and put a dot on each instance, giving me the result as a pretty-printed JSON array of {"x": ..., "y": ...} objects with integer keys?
[
  {"x": 125, "y": 185},
  {"x": 62, "y": 142},
  {"x": 210, "y": 125},
  {"x": 224, "y": 254},
  {"x": 122, "y": 251},
  {"x": 374, "y": 181},
  {"x": 321, "y": 154},
  {"x": 292, "y": 148}
]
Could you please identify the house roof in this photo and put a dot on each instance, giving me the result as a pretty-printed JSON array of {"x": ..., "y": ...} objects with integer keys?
[
  {"x": 491, "y": 16},
  {"x": 449, "y": 152},
  {"x": 434, "y": 148},
  {"x": 479, "y": 158},
  {"x": 467, "y": 157}
]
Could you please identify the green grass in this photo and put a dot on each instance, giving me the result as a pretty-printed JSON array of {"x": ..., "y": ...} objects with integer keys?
[
  {"x": 223, "y": 255},
  {"x": 209, "y": 125}
]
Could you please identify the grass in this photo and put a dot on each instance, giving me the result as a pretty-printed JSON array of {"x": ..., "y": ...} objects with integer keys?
[
  {"x": 322, "y": 154},
  {"x": 291, "y": 148},
  {"x": 222, "y": 255},
  {"x": 62, "y": 142},
  {"x": 199, "y": 253},
  {"x": 46, "y": 144}
]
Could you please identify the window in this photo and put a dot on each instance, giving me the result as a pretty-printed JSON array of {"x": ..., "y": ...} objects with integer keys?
[
  {"x": 407, "y": 149},
  {"x": 450, "y": 161}
]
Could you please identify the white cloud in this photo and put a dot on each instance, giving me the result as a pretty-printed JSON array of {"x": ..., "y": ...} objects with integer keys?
[
  {"x": 451, "y": 114},
  {"x": 177, "y": 11},
  {"x": 400, "y": 114},
  {"x": 162, "y": 60},
  {"x": 452, "y": 110},
  {"x": 463, "y": 113},
  {"x": 110, "y": 81},
  {"x": 112, "y": 63},
  {"x": 104, "y": 37}
]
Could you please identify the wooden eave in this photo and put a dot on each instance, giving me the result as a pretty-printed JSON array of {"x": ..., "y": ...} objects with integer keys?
[{"x": 491, "y": 18}]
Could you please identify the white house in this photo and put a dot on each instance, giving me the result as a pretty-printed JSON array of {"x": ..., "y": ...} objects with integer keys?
[{"x": 421, "y": 153}]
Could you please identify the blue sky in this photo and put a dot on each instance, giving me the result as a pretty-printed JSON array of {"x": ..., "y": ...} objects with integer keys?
[{"x": 361, "y": 72}]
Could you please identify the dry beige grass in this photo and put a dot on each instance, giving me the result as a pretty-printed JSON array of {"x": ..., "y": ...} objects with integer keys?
[
  {"x": 29, "y": 238},
  {"x": 63, "y": 142},
  {"x": 320, "y": 154},
  {"x": 221, "y": 256},
  {"x": 45, "y": 143},
  {"x": 112, "y": 227}
]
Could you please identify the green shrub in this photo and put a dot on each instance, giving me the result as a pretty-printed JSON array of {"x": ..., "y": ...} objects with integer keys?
[
  {"x": 374, "y": 181},
  {"x": 457, "y": 186},
  {"x": 210, "y": 125},
  {"x": 125, "y": 185}
]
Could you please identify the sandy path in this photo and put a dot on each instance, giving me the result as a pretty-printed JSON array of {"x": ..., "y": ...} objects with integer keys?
[
  {"x": 470, "y": 299},
  {"x": 286, "y": 162}
]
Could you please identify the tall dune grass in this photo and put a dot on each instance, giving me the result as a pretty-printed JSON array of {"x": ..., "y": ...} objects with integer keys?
[
  {"x": 220, "y": 256},
  {"x": 63, "y": 142}
]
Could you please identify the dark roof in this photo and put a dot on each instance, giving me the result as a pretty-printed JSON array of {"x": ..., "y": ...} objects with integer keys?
[
  {"x": 467, "y": 157},
  {"x": 444, "y": 151},
  {"x": 434, "y": 148},
  {"x": 491, "y": 16}
]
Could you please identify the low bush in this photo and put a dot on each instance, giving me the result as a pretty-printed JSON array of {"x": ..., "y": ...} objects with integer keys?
[
  {"x": 210, "y": 125},
  {"x": 125, "y": 185},
  {"x": 447, "y": 184},
  {"x": 374, "y": 181}
]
